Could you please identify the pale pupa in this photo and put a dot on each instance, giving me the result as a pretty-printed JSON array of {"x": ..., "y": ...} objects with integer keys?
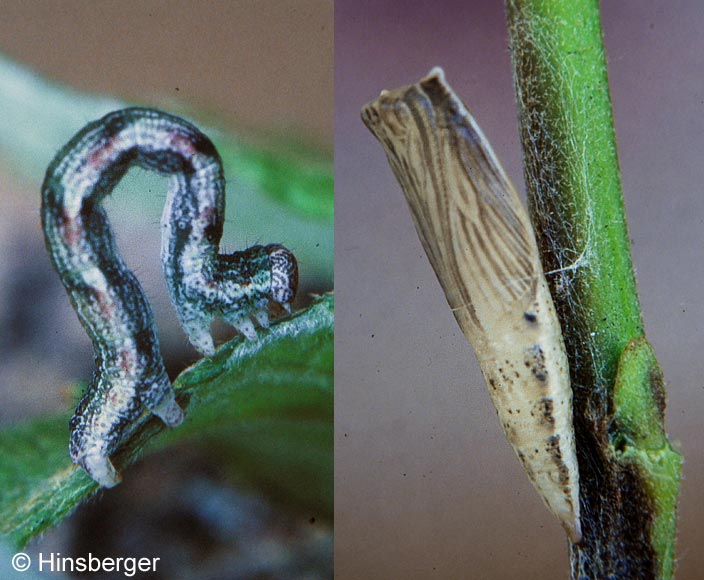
[{"x": 481, "y": 244}]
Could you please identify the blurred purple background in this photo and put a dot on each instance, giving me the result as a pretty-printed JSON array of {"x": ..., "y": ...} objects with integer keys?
[{"x": 426, "y": 485}]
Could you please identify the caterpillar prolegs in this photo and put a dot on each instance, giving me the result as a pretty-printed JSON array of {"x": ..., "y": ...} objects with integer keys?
[
  {"x": 481, "y": 245},
  {"x": 203, "y": 284}
]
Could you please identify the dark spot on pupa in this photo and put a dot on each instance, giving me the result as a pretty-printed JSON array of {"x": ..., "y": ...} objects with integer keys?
[
  {"x": 530, "y": 317},
  {"x": 553, "y": 449},
  {"x": 544, "y": 408},
  {"x": 510, "y": 431},
  {"x": 553, "y": 443},
  {"x": 534, "y": 358}
]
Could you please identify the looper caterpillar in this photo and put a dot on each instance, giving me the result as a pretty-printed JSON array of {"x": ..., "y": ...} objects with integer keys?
[
  {"x": 481, "y": 244},
  {"x": 110, "y": 303}
]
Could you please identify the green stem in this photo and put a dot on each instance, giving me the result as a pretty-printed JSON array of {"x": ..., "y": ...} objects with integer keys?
[{"x": 576, "y": 202}]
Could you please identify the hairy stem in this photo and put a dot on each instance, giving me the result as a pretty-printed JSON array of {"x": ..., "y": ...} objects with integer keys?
[{"x": 575, "y": 198}]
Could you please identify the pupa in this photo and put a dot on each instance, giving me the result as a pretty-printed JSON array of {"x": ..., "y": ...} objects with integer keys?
[{"x": 480, "y": 242}]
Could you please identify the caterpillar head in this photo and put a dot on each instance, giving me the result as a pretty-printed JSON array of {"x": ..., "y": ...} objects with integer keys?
[{"x": 284, "y": 275}]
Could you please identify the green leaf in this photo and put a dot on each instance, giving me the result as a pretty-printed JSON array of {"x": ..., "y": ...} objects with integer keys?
[{"x": 263, "y": 408}]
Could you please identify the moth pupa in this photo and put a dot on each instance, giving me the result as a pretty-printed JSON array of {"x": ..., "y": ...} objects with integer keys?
[{"x": 481, "y": 244}]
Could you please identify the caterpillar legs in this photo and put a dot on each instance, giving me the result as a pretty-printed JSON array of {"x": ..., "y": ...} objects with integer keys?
[
  {"x": 97, "y": 428},
  {"x": 168, "y": 410},
  {"x": 110, "y": 303},
  {"x": 100, "y": 468}
]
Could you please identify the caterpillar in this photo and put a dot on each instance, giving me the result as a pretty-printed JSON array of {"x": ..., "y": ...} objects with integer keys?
[
  {"x": 481, "y": 244},
  {"x": 109, "y": 301}
]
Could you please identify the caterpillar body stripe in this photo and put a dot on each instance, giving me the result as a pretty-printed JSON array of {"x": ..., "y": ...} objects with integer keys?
[
  {"x": 203, "y": 284},
  {"x": 480, "y": 242}
]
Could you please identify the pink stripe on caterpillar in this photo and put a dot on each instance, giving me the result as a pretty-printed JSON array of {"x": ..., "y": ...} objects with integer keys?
[{"x": 109, "y": 301}]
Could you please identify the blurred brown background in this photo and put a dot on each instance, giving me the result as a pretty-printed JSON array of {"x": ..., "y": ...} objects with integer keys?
[
  {"x": 426, "y": 485},
  {"x": 264, "y": 63},
  {"x": 261, "y": 68}
]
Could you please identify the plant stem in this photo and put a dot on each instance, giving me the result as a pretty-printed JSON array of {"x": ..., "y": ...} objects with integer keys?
[{"x": 575, "y": 198}]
